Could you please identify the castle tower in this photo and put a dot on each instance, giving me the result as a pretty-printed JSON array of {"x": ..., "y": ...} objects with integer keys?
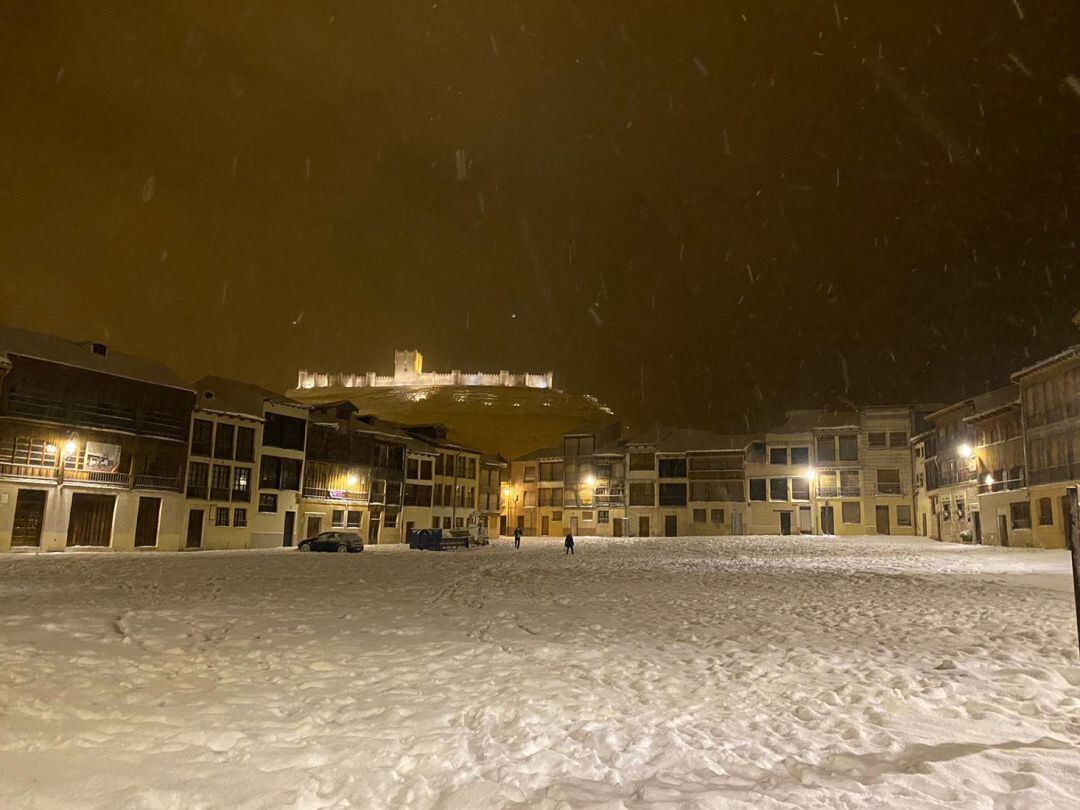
[{"x": 408, "y": 363}]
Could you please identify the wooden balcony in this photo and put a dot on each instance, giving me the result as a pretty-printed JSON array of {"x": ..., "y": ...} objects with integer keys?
[{"x": 29, "y": 472}]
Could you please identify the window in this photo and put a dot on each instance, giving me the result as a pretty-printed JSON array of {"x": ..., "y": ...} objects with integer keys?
[
  {"x": 875, "y": 440},
  {"x": 778, "y": 489},
  {"x": 641, "y": 494},
  {"x": 285, "y": 432},
  {"x": 425, "y": 469},
  {"x": 241, "y": 486},
  {"x": 393, "y": 492},
  {"x": 1021, "y": 515},
  {"x": 716, "y": 491},
  {"x": 717, "y": 517},
  {"x": 267, "y": 502},
  {"x": 219, "y": 484},
  {"x": 888, "y": 482},
  {"x": 897, "y": 439},
  {"x": 470, "y": 497},
  {"x": 757, "y": 489},
  {"x": 851, "y": 512},
  {"x": 551, "y": 471},
  {"x": 472, "y": 469},
  {"x": 530, "y": 473},
  {"x": 672, "y": 494},
  {"x": 337, "y": 518},
  {"x": 849, "y": 447},
  {"x": 201, "y": 437},
  {"x": 221, "y": 516},
  {"x": 245, "y": 444},
  {"x": 279, "y": 473},
  {"x": 603, "y": 516},
  {"x": 826, "y": 448},
  {"x": 903, "y": 515},
  {"x": 586, "y": 517},
  {"x": 800, "y": 489},
  {"x": 673, "y": 468},
  {"x": 418, "y": 495},
  {"x": 959, "y": 510},
  {"x": 197, "y": 480},
  {"x": 223, "y": 441},
  {"x": 412, "y": 468},
  {"x": 437, "y": 496},
  {"x": 778, "y": 455},
  {"x": 946, "y": 510},
  {"x": 800, "y": 456},
  {"x": 390, "y": 520},
  {"x": 448, "y": 522},
  {"x": 556, "y": 516},
  {"x": 640, "y": 462},
  {"x": 1046, "y": 512},
  {"x": 353, "y": 519},
  {"x": 699, "y": 516},
  {"x": 239, "y": 517}
]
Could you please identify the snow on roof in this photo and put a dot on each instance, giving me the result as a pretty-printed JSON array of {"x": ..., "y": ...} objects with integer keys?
[
  {"x": 689, "y": 440},
  {"x": 51, "y": 349},
  {"x": 994, "y": 402},
  {"x": 545, "y": 452},
  {"x": 234, "y": 396},
  {"x": 806, "y": 421},
  {"x": 1068, "y": 354}
]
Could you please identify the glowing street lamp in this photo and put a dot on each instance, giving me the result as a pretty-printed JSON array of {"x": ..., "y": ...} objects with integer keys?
[
  {"x": 590, "y": 481},
  {"x": 352, "y": 480},
  {"x": 966, "y": 451},
  {"x": 989, "y": 480},
  {"x": 69, "y": 448}
]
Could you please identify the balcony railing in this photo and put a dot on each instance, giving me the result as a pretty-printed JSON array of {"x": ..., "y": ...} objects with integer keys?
[
  {"x": 335, "y": 494},
  {"x": 241, "y": 495},
  {"x": 197, "y": 491},
  {"x": 1060, "y": 472},
  {"x": 31, "y": 471},
  {"x": 115, "y": 479},
  {"x": 164, "y": 482},
  {"x": 889, "y": 488},
  {"x": 839, "y": 492},
  {"x": 1002, "y": 486},
  {"x": 219, "y": 494}
]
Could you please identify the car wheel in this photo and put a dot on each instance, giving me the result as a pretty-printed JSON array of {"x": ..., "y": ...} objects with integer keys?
[
  {"x": 304, "y": 547},
  {"x": 342, "y": 548}
]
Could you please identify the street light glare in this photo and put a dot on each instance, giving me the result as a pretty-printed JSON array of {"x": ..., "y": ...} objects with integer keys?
[{"x": 966, "y": 451}]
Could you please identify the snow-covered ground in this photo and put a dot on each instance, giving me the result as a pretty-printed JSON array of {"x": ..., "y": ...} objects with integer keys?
[{"x": 757, "y": 672}]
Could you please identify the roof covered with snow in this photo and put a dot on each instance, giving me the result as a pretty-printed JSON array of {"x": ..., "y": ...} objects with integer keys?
[
  {"x": 807, "y": 421},
  {"x": 51, "y": 349},
  {"x": 689, "y": 440},
  {"x": 234, "y": 396},
  {"x": 995, "y": 402}
]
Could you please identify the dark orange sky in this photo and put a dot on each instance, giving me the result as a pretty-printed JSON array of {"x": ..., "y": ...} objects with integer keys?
[{"x": 699, "y": 211}]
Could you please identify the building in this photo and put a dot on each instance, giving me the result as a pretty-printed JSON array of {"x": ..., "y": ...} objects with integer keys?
[
  {"x": 1050, "y": 417},
  {"x": 951, "y": 483},
  {"x": 354, "y": 474},
  {"x": 245, "y": 467},
  {"x": 409, "y": 373},
  {"x": 1004, "y": 512},
  {"x": 93, "y": 445}
]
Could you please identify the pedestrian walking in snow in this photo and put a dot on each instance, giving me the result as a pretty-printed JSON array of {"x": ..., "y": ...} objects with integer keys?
[
  {"x": 569, "y": 543},
  {"x": 517, "y": 538}
]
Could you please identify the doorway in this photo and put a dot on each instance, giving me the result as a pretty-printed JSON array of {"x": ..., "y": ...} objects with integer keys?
[
  {"x": 146, "y": 522},
  {"x": 91, "y": 520},
  {"x": 736, "y": 523},
  {"x": 805, "y": 520},
  {"x": 977, "y": 520},
  {"x": 545, "y": 526},
  {"x": 194, "y": 528},
  {"x": 785, "y": 523},
  {"x": 924, "y": 524},
  {"x": 671, "y": 525},
  {"x": 502, "y": 525},
  {"x": 643, "y": 526},
  {"x": 882, "y": 515},
  {"x": 373, "y": 529},
  {"x": 29, "y": 517},
  {"x": 290, "y": 527},
  {"x": 618, "y": 527},
  {"x": 573, "y": 525},
  {"x": 828, "y": 520},
  {"x": 1003, "y": 529},
  {"x": 314, "y": 525}
]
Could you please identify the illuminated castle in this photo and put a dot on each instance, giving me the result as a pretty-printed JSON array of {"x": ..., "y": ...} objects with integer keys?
[{"x": 409, "y": 373}]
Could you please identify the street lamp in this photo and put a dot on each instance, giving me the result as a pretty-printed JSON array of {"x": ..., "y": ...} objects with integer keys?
[
  {"x": 69, "y": 448},
  {"x": 966, "y": 451}
]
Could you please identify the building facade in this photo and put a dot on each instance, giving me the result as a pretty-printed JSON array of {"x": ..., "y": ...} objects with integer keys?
[
  {"x": 245, "y": 467},
  {"x": 951, "y": 475},
  {"x": 1000, "y": 472},
  {"x": 93, "y": 445}
]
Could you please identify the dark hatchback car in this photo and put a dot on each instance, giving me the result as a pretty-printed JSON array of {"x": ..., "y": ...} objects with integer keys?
[{"x": 332, "y": 541}]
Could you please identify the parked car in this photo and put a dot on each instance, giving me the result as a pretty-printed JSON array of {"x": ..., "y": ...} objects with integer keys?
[{"x": 332, "y": 541}]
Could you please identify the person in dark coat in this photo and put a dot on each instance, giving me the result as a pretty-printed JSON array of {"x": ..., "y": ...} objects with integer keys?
[
  {"x": 569, "y": 543},
  {"x": 517, "y": 538}
]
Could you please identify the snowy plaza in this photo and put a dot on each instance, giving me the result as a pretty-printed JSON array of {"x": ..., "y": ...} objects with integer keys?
[{"x": 751, "y": 671}]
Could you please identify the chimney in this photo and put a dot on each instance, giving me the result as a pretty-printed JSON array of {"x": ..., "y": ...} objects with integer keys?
[{"x": 99, "y": 349}]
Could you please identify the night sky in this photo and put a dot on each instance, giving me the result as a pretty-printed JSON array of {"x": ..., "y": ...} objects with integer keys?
[{"x": 702, "y": 212}]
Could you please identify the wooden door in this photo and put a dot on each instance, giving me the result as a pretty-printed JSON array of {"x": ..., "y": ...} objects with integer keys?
[
  {"x": 290, "y": 526},
  {"x": 314, "y": 524},
  {"x": 194, "y": 528},
  {"x": 90, "y": 523},
  {"x": 785, "y": 523},
  {"x": 643, "y": 526},
  {"x": 545, "y": 526},
  {"x": 573, "y": 526},
  {"x": 882, "y": 513},
  {"x": 146, "y": 522},
  {"x": 828, "y": 520},
  {"x": 671, "y": 525},
  {"x": 1003, "y": 529},
  {"x": 618, "y": 527},
  {"x": 373, "y": 529},
  {"x": 29, "y": 517},
  {"x": 736, "y": 523}
]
